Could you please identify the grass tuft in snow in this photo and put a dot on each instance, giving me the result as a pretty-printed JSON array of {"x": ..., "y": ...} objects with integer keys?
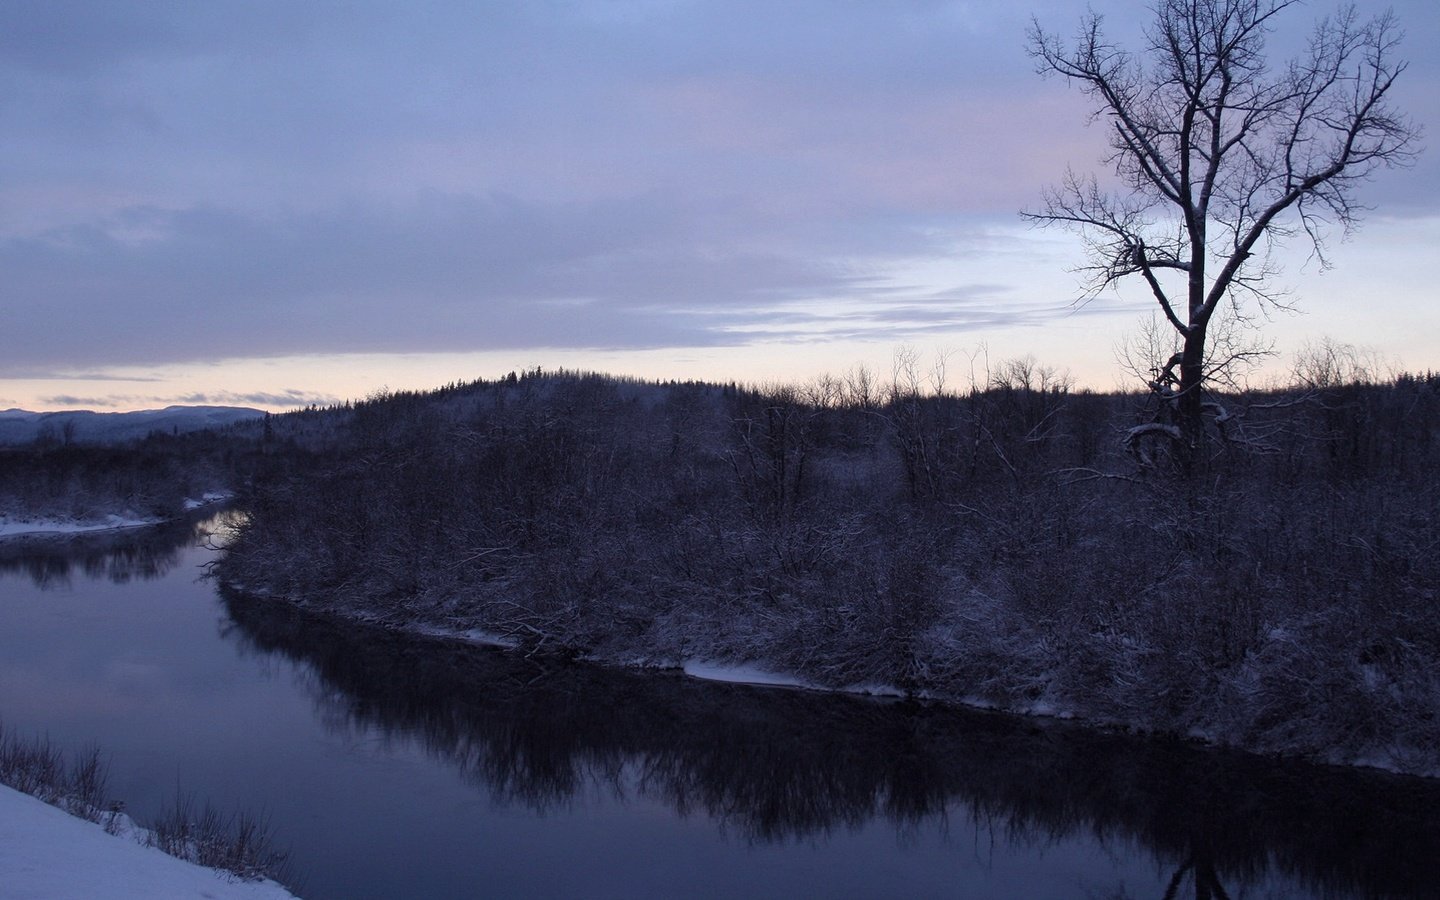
[
  {"x": 38, "y": 768},
  {"x": 239, "y": 843}
]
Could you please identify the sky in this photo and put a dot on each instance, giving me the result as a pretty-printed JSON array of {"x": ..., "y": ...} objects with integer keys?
[{"x": 275, "y": 203}]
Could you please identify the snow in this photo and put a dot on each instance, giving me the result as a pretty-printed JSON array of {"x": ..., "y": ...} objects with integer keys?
[
  {"x": 741, "y": 673},
  {"x": 207, "y": 499},
  {"x": 476, "y": 636},
  {"x": 48, "y": 853},
  {"x": 15, "y": 527},
  {"x": 751, "y": 674}
]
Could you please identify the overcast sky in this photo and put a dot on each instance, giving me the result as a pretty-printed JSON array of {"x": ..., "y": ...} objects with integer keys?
[{"x": 277, "y": 202}]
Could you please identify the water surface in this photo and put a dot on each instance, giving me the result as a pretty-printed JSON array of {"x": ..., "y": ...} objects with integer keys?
[{"x": 392, "y": 767}]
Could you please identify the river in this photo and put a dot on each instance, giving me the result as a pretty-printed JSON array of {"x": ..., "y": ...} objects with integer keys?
[{"x": 395, "y": 767}]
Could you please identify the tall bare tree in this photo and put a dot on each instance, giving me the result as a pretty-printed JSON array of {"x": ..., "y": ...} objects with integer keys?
[{"x": 1219, "y": 155}]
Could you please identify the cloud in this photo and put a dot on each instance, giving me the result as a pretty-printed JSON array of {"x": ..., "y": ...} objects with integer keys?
[
  {"x": 287, "y": 398},
  {"x": 260, "y": 179},
  {"x": 290, "y": 398},
  {"x": 72, "y": 400},
  {"x": 444, "y": 273},
  {"x": 72, "y": 375}
]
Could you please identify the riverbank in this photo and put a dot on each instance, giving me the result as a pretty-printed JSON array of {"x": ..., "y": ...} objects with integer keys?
[
  {"x": 38, "y": 526},
  {"x": 46, "y": 853},
  {"x": 14, "y": 526},
  {"x": 413, "y": 622},
  {"x": 803, "y": 767}
]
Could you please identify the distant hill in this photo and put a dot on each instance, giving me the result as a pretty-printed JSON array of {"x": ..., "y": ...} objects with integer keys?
[{"x": 18, "y": 426}]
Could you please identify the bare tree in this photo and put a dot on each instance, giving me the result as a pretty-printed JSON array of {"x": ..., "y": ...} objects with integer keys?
[{"x": 1219, "y": 156}]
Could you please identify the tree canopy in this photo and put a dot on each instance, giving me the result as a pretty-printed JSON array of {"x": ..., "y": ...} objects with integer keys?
[{"x": 1219, "y": 155}]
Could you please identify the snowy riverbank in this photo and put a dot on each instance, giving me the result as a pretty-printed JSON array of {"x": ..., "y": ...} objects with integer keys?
[
  {"x": 46, "y": 853},
  {"x": 18, "y": 526},
  {"x": 420, "y": 620}
]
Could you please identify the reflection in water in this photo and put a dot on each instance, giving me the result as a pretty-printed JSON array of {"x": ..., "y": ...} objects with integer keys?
[
  {"x": 780, "y": 765},
  {"x": 143, "y": 553}
]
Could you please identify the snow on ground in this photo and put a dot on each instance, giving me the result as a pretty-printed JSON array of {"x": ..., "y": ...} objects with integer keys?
[
  {"x": 741, "y": 674},
  {"x": 751, "y": 674},
  {"x": 48, "y": 853},
  {"x": 476, "y": 636},
  {"x": 207, "y": 499},
  {"x": 15, "y": 527}
]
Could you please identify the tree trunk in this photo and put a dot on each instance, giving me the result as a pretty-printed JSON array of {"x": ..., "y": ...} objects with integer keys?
[{"x": 1190, "y": 404}]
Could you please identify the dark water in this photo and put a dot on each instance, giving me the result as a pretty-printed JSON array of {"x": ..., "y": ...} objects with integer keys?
[{"x": 399, "y": 768}]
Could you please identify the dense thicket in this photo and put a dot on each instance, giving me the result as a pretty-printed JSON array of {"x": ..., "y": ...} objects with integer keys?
[{"x": 1013, "y": 545}]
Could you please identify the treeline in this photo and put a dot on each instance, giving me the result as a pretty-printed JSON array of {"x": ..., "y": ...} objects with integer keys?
[
  {"x": 153, "y": 477},
  {"x": 1017, "y": 543},
  {"x": 84, "y": 482}
]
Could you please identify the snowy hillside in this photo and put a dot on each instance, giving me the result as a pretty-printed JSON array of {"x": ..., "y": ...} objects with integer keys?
[{"x": 45, "y": 852}]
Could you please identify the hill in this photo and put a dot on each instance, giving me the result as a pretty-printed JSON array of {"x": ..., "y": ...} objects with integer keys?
[{"x": 18, "y": 426}]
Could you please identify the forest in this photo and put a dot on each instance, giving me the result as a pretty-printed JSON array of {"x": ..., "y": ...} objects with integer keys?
[{"x": 1014, "y": 543}]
